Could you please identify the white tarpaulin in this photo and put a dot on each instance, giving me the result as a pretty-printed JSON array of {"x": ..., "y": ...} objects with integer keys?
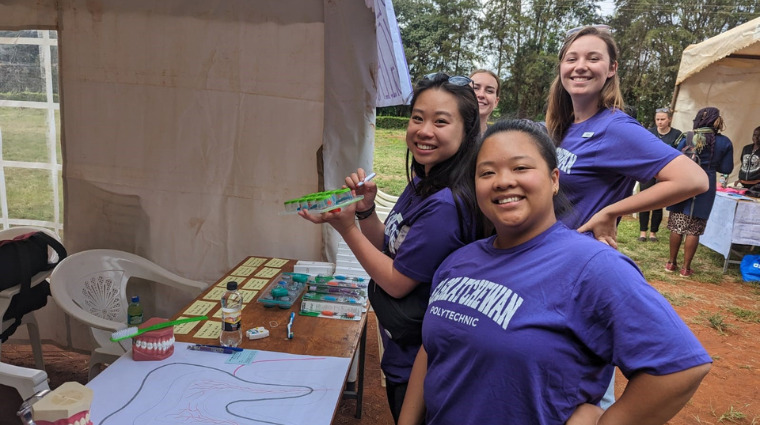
[
  {"x": 187, "y": 123},
  {"x": 724, "y": 72}
]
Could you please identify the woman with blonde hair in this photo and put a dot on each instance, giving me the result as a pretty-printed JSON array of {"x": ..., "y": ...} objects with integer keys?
[
  {"x": 602, "y": 151},
  {"x": 486, "y": 85}
]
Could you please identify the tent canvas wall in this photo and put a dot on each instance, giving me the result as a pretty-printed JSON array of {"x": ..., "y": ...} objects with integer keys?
[
  {"x": 187, "y": 123},
  {"x": 724, "y": 72}
]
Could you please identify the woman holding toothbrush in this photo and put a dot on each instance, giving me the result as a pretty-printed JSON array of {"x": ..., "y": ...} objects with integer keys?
[{"x": 431, "y": 219}]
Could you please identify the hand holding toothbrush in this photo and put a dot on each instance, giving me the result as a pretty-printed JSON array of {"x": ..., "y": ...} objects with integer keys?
[{"x": 361, "y": 183}]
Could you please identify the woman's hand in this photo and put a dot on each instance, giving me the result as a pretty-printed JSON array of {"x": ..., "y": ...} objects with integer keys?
[
  {"x": 341, "y": 219},
  {"x": 585, "y": 414},
  {"x": 368, "y": 189},
  {"x": 604, "y": 227}
]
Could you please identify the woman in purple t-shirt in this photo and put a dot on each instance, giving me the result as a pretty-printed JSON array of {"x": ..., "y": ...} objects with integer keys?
[
  {"x": 431, "y": 218},
  {"x": 522, "y": 330},
  {"x": 602, "y": 151}
]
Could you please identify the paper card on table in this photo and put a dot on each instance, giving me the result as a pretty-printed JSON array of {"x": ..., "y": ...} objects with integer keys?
[
  {"x": 243, "y": 271},
  {"x": 247, "y": 295},
  {"x": 242, "y": 357},
  {"x": 255, "y": 283},
  {"x": 199, "y": 308},
  {"x": 254, "y": 262},
  {"x": 218, "y": 314},
  {"x": 230, "y": 278},
  {"x": 267, "y": 272},
  {"x": 210, "y": 329},
  {"x": 184, "y": 328},
  {"x": 215, "y": 293},
  {"x": 276, "y": 262}
]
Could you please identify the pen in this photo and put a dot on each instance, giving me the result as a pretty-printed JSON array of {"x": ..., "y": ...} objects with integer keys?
[
  {"x": 366, "y": 179},
  {"x": 214, "y": 348},
  {"x": 290, "y": 325}
]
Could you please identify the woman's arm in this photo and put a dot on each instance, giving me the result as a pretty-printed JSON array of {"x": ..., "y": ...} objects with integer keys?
[
  {"x": 680, "y": 179},
  {"x": 413, "y": 409},
  {"x": 647, "y": 399},
  {"x": 378, "y": 265}
]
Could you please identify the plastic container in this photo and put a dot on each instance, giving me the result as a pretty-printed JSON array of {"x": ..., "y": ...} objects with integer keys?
[
  {"x": 134, "y": 312},
  {"x": 232, "y": 313},
  {"x": 284, "y": 290}
]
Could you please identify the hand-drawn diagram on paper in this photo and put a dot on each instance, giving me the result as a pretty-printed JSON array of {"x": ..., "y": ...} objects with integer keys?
[{"x": 193, "y": 387}]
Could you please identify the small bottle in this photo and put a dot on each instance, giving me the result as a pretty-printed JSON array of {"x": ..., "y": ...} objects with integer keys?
[
  {"x": 232, "y": 308},
  {"x": 723, "y": 180},
  {"x": 134, "y": 312}
]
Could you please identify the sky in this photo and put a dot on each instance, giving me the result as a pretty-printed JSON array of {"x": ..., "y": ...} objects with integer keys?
[{"x": 607, "y": 7}]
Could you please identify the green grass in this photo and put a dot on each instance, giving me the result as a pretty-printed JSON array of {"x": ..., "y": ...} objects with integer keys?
[
  {"x": 744, "y": 314},
  {"x": 390, "y": 151},
  {"x": 390, "y": 160},
  {"x": 29, "y": 191},
  {"x": 24, "y": 134}
]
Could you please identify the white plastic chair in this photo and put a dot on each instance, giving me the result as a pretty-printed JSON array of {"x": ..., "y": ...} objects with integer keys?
[
  {"x": 25, "y": 380},
  {"x": 91, "y": 287},
  {"x": 347, "y": 264},
  {"x": 6, "y": 295},
  {"x": 384, "y": 204}
]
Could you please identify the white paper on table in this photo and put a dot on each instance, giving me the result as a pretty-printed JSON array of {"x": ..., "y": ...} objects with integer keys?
[{"x": 198, "y": 387}]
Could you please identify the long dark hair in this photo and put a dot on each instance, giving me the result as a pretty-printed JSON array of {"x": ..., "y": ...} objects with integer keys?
[{"x": 452, "y": 172}]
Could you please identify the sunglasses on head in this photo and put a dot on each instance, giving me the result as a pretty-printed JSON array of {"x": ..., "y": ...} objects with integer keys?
[
  {"x": 602, "y": 28},
  {"x": 456, "y": 80},
  {"x": 666, "y": 110}
]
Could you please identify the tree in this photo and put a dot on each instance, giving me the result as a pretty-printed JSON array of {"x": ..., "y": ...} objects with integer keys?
[
  {"x": 652, "y": 35},
  {"x": 520, "y": 39},
  {"x": 523, "y": 38},
  {"x": 438, "y": 35}
]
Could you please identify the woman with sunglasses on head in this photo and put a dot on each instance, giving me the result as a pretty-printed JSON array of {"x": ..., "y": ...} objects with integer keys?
[
  {"x": 432, "y": 218},
  {"x": 521, "y": 330},
  {"x": 486, "y": 85},
  {"x": 603, "y": 151},
  {"x": 669, "y": 136}
]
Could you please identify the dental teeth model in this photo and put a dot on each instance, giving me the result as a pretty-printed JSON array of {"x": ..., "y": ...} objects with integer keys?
[
  {"x": 69, "y": 404},
  {"x": 154, "y": 345}
]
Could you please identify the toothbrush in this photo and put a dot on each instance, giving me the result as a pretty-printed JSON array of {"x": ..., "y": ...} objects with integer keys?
[
  {"x": 366, "y": 179},
  {"x": 133, "y": 331}
]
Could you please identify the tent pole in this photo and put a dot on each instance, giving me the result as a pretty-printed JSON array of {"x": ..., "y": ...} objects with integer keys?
[{"x": 673, "y": 100}]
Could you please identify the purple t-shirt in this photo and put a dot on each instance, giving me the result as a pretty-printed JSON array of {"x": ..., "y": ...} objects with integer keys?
[
  {"x": 419, "y": 235},
  {"x": 526, "y": 334},
  {"x": 601, "y": 159}
]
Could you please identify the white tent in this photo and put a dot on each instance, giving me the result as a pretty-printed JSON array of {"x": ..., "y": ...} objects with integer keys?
[
  {"x": 187, "y": 123},
  {"x": 724, "y": 72}
]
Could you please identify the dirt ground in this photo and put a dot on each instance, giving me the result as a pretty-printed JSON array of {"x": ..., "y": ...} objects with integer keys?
[{"x": 725, "y": 318}]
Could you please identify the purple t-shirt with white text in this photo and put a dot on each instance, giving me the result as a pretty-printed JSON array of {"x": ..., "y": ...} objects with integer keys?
[
  {"x": 524, "y": 335},
  {"x": 601, "y": 159}
]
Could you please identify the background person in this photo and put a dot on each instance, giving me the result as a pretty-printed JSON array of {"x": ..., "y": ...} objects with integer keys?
[
  {"x": 522, "y": 330},
  {"x": 602, "y": 151},
  {"x": 713, "y": 152},
  {"x": 486, "y": 85},
  {"x": 749, "y": 174},
  {"x": 668, "y": 135},
  {"x": 431, "y": 218}
]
